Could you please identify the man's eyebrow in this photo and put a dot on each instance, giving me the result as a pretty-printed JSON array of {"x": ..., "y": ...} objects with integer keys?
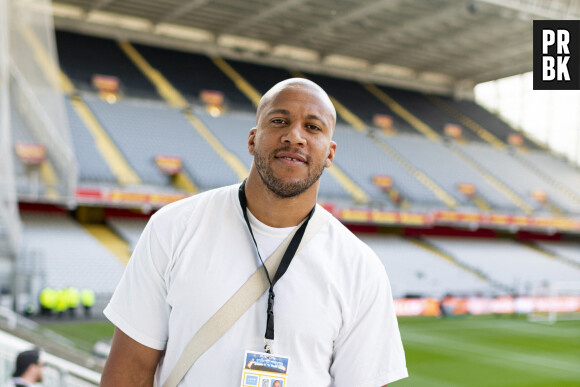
[
  {"x": 278, "y": 111},
  {"x": 287, "y": 112}
]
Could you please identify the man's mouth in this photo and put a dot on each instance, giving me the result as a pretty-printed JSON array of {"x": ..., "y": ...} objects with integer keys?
[{"x": 293, "y": 157}]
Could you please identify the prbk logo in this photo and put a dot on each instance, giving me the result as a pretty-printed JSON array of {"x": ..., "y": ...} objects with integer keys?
[{"x": 556, "y": 54}]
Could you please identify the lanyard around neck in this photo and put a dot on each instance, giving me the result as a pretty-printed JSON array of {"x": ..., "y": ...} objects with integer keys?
[{"x": 284, "y": 264}]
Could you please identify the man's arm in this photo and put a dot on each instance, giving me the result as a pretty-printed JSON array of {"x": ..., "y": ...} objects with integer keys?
[{"x": 129, "y": 363}]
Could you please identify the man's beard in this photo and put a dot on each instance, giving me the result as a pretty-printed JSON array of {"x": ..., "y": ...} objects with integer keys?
[{"x": 279, "y": 187}]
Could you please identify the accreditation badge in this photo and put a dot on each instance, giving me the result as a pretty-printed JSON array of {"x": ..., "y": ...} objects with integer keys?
[{"x": 264, "y": 370}]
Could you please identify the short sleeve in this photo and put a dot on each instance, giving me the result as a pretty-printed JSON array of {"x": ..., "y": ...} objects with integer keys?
[
  {"x": 138, "y": 306},
  {"x": 368, "y": 351}
]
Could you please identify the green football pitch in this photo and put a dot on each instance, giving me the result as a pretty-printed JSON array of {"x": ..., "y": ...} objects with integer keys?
[
  {"x": 490, "y": 351},
  {"x": 482, "y": 351}
]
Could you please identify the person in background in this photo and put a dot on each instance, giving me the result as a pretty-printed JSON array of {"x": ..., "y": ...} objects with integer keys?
[
  {"x": 73, "y": 299},
  {"x": 88, "y": 300},
  {"x": 28, "y": 370},
  {"x": 48, "y": 298}
]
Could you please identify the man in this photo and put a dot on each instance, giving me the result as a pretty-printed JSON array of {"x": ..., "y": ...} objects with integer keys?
[
  {"x": 334, "y": 313},
  {"x": 28, "y": 369}
]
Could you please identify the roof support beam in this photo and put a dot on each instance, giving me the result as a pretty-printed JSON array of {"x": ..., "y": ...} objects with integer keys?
[
  {"x": 542, "y": 9},
  {"x": 355, "y": 14},
  {"x": 268, "y": 11},
  {"x": 180, "y": 11}
]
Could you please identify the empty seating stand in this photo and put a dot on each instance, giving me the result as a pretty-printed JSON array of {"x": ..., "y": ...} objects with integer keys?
[
  {"x": 144, "y": 130},
  {"x": 568, "y": 250},
  {"x": 92, "y": 167},
  {"x": 486, "y": 119},
  {"x": 447, "y": 169},
  {"x": 507, "y": 262},
  {"x": 83, "y": 56},
  {"x": 67, "y": 255},
  {"x": 420, "y": 106},
  {"x": 521, "y": 179},
  {"x": 415, "y": 271},
  {"x": 262, "y": 78},
  {"x": 361, "y": 159},
  {"x": 360, "y": 101},
  {"x": 554, "y": 167},
  {"x": 191, "y": 73}
]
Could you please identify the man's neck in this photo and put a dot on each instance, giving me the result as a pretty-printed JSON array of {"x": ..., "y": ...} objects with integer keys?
[{"x": 275, "y": 211}]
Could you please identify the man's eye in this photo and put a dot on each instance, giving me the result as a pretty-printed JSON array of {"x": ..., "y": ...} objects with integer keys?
[
  {"x": 313, "y": 127},
  {"x": 278, "y": 121}
]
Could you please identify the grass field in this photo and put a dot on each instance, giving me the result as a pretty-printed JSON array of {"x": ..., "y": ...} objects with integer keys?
[
  {"x": 490, "y": 351},
  {"x": 484, "y": 351}
]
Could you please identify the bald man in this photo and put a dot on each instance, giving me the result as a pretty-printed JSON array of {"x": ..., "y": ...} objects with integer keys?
[{"x": 333, "y": 310}]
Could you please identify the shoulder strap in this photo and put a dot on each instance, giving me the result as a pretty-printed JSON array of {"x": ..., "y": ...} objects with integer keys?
[{"x": 239, "y": 303}]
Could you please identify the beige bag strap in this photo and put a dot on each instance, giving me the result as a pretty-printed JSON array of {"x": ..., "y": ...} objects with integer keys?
[{"x": 240, "y": 302}]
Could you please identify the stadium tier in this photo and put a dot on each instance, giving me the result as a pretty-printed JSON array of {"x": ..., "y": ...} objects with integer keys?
[
  {"x": 521, "y": 179},
  {"x": 82, "y": 57},
  {"x": 143, "y": 131},
  {"x": 507, "y": 262},
  {"x": 93, "y": 168},
  {"x": 357, "y": 99},
  {"x": 417, "y": 272},
  {"x": 566, "y": 250},
  {"x": 192, "y": 73},
  {"x": 419, "y": 105},
  {"x": 469, "y": 110},
  {"x": 439, "y": 161},
  {"x": 554, "y": 169},
  {"x": 397, "y": 164},
  {"x": 362, "y": 158},
  {"x": 67, "y": 255}
]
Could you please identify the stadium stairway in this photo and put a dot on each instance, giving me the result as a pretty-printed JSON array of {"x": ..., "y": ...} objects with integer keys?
[
  {"x": 109, "y": 239},
  {"x": 174, "y": 98},
  {"x": 242, "y": 85},
  {"x": 441, "y": 194},
  {"x": 561, "y": 187},
  {"x": 450, "y": 258},
  {"x": 115, "y": 160},
  {"x": 431, "y": 134},
  {"x": 111, "y": 154},
  {"x": 416, "y": 123},
  {"x": 424, "y": 129},
  {"x": 468, "y": 123},
  {"x": 504, "y": 189},
  {"x": 551, "y": 254}
]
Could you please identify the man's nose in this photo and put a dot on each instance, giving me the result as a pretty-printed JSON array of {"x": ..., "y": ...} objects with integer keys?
[{"x": 294, "y": 135}]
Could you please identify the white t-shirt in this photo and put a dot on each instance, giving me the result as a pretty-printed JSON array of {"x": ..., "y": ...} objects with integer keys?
[{"x": 334, "y": 315}]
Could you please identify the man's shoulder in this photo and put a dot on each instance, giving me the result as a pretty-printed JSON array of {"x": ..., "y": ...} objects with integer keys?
[{"x": 340, "y": 234}]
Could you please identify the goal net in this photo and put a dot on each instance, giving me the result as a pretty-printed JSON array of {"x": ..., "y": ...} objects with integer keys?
[{"x": 555, "y": 301}]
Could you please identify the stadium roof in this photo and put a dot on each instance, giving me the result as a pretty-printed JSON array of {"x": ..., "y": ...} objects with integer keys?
[{"x": 441, "y": 46}]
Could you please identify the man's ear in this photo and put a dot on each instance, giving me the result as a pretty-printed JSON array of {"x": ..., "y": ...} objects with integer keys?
[
  {"x": 330, "y": 159},
  {"x": 251, "y": 141}
]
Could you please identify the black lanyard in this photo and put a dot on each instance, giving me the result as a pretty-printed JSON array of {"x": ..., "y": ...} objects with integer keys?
[{"x": 284, "y": 264}]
